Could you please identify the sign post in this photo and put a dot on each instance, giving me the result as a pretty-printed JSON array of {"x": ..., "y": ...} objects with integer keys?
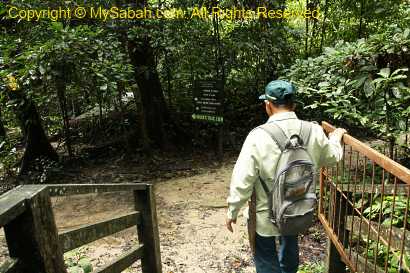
[
  {"x": 208, "y": 106},
  {"x": 208, "y": 101}
]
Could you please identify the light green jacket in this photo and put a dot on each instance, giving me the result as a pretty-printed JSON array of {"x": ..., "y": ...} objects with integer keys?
[{"x": 258, "y": 159}]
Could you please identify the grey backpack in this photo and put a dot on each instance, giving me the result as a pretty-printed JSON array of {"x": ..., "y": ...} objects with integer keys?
[{"x": 292, "y": 200}]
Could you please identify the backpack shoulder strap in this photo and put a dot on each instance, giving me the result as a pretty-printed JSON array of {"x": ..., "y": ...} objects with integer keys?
[
  {"x": 279, "y": 137},
  {"x": 276, "y": 133},
  {"x": 305, "y": 131}
]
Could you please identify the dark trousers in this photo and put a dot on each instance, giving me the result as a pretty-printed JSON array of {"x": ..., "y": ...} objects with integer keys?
[{"x": 268, "y": 260}]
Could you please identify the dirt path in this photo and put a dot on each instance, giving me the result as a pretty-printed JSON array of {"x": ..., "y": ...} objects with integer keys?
[{"x": 191, "y": 213}]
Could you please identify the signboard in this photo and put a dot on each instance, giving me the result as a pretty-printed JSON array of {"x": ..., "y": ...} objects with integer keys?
[{"x": 208, "y": 101}]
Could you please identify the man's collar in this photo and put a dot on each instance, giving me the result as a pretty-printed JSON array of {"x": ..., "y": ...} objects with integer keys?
[{"x": 282, "y": 116}]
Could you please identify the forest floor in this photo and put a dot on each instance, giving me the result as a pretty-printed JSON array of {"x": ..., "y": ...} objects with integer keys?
[{"x": 191, "y": 206}]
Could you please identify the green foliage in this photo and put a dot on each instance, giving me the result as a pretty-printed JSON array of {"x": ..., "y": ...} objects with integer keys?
[
  {"x": 77, "y": 262},
  {"x": 86, "y": 60},
  {"x": 315, "y": 267},
  {"x": 378, "y": 252},
  {"x": 383, "y": 209},
  {"x": 363, "y": 84},
  {"x": 8, "y": 155}
]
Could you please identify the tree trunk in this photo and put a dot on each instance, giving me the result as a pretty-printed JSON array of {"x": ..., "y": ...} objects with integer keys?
[
  {"x": 169, "y": 78},
  {"x": 155, "y": 112},
  {"x": 61, "y": 94},
  {"x": 313, "y": 40},
  {"x": 406, "y": 143},
  {"x": 307, "y": 33},
  {"x": 153, "y": 102},
  {"x": 390, "y": 137},
  {"x": 322, "y": 39},
  {"x": 360, "y": 30},
  {"x": 36, "y": 142},
  {"x": 315, "y": 28},
  {"x": 142, "y": 130},
  {"x": 154, "y": 109},
  {"x": 143, "y": 135},
  {"x": 2, "y": 129}
]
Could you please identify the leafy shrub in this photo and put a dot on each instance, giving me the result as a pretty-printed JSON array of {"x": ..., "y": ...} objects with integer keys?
[
  {"x": 77, "y": 262},
  {"x": 9, "y": 156},
  {"x": 362, "y": 84},
  {"x": 385, "y": 208},
  {"x": 315, "y": 267}
]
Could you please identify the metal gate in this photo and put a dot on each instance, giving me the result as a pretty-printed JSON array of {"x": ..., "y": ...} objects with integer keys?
[{"x": 364, "y": 208}]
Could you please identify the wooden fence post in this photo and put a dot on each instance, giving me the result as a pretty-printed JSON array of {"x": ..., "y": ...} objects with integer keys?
[
  {"x": 334, "y": 262},
  {"x": 148, "y": 230},
  {"x": 32, "y": 237}
]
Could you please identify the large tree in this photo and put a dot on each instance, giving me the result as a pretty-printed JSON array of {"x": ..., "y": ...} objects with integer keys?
[
  {"x": 155, "y": 113},
  {"x": 19, "y": 97},
  {"x": 36, "y": 141},
  {"x": 153, "y": 102}
]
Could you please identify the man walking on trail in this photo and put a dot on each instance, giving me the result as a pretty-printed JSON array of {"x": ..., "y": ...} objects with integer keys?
[{"x": 256, "y": 166}]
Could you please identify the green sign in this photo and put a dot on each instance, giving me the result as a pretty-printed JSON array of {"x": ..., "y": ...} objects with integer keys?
[
  {"x": 208, "y": 118},
  {"x": 208, "y": 101}
]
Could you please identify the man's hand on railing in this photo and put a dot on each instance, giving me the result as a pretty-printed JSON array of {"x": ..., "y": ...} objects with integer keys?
[{"x": 338, "y": 134}]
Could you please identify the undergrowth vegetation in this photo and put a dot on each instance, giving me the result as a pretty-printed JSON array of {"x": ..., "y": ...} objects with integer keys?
[{"x": 363, "y": 84}]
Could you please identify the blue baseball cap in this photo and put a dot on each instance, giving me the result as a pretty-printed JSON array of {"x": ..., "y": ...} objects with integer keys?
[{"x": 279, "y": 92}]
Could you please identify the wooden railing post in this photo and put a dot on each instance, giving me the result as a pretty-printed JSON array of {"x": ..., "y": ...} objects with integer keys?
[
  {"x": 32, "y": 237},
  {"x": 148, "y": 230},
  {"x": 334, "y": 262}
]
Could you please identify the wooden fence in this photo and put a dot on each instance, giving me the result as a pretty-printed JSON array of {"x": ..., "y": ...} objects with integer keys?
[
  {"x": 35, "y": 245},
  {"x": 364, "y": 208}
]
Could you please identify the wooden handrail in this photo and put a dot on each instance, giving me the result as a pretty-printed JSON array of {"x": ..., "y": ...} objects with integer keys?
[
  {"x": 124, "y": 261},
  {"x": 32, "y": 236},
  {"x": 386, "y": 163},
  {"x": 85, "y": 234},
  {"x": 31, "y": 233},
  {"x": 12, "y": 203},
  {"x": 74, "y": 189}
]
